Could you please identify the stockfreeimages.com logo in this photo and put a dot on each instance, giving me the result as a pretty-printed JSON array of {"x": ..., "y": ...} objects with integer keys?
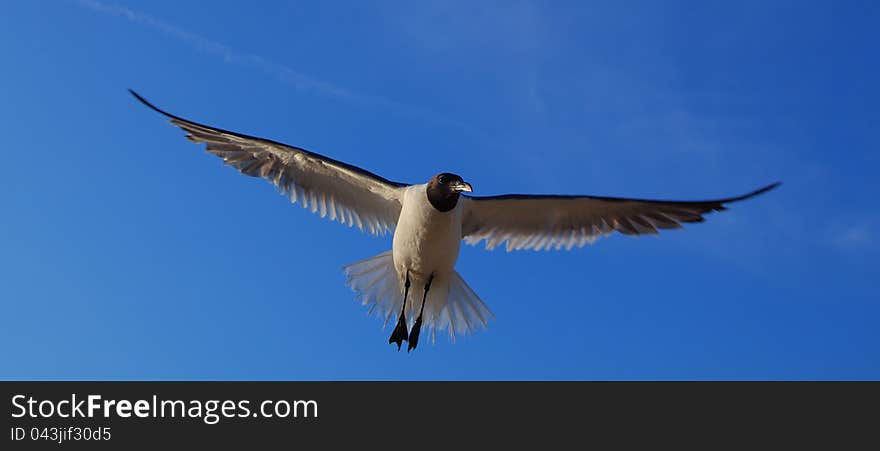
[{"x": 210, "y": 411}]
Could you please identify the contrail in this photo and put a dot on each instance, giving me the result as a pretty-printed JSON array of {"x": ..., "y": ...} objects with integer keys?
[{"x": 283, "y": 73}]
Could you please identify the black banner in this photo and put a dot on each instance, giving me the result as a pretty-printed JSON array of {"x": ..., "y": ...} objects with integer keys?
[{"x": 134, "y": 415}]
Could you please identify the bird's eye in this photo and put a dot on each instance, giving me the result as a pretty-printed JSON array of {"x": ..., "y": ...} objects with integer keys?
[{"x": 442, "y": 179}]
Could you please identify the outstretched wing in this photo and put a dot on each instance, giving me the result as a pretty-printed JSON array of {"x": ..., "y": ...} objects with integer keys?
[
  {"x": 553, "y": 222},
  {"x": 333, "y": 189}
]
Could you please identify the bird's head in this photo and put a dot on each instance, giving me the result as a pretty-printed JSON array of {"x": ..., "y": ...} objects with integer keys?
[{"x": 443, "y": 190}]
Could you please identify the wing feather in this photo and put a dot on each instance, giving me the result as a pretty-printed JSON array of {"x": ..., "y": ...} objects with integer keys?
[
  {"x": 330, "y": 188},
  {"x": 554, "y": 222}
]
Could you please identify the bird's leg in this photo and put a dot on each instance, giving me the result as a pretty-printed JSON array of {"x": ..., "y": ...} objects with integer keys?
[
  {"x": 399, "y": 334},
  {"x": 417, "y": 327}
]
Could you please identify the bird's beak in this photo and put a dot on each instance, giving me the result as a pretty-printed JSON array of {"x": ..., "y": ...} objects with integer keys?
[{"x": 462, "y": 187}]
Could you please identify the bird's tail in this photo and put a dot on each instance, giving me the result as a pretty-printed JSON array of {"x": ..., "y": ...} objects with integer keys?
[{"x": 451, "y": 305}]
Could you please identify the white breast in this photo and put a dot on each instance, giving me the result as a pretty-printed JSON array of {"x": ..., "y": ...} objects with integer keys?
[{"x": 426, "y": 240}]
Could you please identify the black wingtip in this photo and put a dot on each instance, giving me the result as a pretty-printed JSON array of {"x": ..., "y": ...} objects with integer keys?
[
  {"x": 138, "y": 96},
  {"x": 765, "y": 189},
  {"x": 755, "y": 193},
  {"x": 148, "y": 104}
]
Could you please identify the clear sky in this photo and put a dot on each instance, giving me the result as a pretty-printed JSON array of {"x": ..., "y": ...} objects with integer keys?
[{"x": 127, "y": 252}]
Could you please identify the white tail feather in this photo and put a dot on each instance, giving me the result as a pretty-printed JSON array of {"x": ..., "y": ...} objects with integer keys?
[{"x": 451, "y": 305}]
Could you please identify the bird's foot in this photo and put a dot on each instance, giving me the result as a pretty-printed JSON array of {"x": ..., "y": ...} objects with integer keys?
[
  {"x": 399, "y": 334},
  {"x": 414, "y": 334}
]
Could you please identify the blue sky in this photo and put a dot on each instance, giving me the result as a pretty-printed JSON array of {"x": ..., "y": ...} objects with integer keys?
[{"x": 129, "y": 253}]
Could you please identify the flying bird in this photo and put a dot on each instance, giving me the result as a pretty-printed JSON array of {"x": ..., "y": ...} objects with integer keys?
[{"x": 415, "y": 283}]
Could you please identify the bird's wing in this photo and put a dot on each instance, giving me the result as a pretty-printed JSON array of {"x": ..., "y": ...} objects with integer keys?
[
  {"x": 333, "y": 189},
  {"x": 554, "y": 222}
]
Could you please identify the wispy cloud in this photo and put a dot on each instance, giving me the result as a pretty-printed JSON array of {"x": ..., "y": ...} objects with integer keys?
[
  {"x": 279, "y": 71},
  {"x": 507, "y": 36},
  {"x": 855, "y": 237}
]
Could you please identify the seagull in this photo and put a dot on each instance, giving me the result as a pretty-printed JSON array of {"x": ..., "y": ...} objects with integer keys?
[{"x": 429, "y": 221}]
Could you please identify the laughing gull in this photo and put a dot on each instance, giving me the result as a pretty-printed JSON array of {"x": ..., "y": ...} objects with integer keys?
[{"x": 429, "y": 222}]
